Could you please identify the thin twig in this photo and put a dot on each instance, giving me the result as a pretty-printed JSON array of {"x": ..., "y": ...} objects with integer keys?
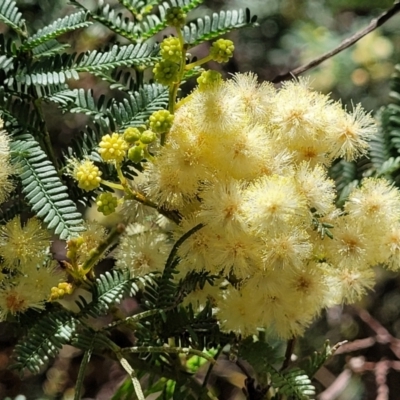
[
  {"x": 81, "y": 373},
  {"x": 132, "y": 374},
  {"x": 210, "y": 368},
  {"x": 166, "y": 349},
  {"x": 96, "y": 254},
  {"x": 288, "y": 354},
  {"x": 374, "y": 24},
  {"x": 127, "y": 367}
]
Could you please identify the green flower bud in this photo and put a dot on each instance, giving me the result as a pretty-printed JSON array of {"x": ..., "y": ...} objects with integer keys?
[
  {"x": 161, "y": 121},
  {"x": 136, "y": 154},
  {"x": 222, "y": 50},
  {"x": 131, "y": 135},
  {"x": 208, "y": 78},
  {"x": 166, "y": 72},
  {"x": 176, "y": 17},
  {"x": 106, "y": 203},
  {"x": 148, "y": 137}
]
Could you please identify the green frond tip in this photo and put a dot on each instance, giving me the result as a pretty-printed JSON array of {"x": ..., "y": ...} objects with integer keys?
[
  {"x": 208, "y": 28},
  {"x": 44, "y": 340},
  {"x": 49, "y": 48},
  {"x": 109, "y": 289},
  {"x": 58, "y": 68},
  {"x": 259, "y": 354},
  {"x": 44, "y": 190},
  {"x": 293, "y": 383},
  {"x": 152, "y": 24},
  {"x": 114, "y": 21},
  {"x": 59, "y": 27},
  {"x": 137, "y": 108},
  {"x": 6, "y": 63},
  {"x": 313, "y": 363},
  {"x": 11, "y": 16}
]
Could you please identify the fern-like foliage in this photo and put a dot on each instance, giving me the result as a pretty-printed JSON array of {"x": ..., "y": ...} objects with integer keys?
[
  {"x": 109, "y": 289},
  {"x": 208, "y": 28},
  {"x": 259, "y": 354},
  {"x": 57, "y": 69},
  {"x": 142, "y": 28},
  {"x": 44, "y": 190},
  {"x": 11, "y": 16},
  {"x": 293, "y": 383},
  {"x": 138, "y": 107},
  {"x": 167, "y": 287},
  {"x": 346, "y": 177},
  {"x": 49, "y": 48},
  {"x": 313, "y": 363},
  {"x": 385, "y": 147},
  {"x": 59, "y": 27},
  {"x": 44, "y": 340}
]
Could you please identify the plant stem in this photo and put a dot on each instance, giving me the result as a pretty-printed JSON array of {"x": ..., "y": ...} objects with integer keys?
[
  {"x": 173, "y": 89},
  {"x": 127, "y": 367},
  {"x": 198, "y": 63},
  {"x": 288, "y": 353},
  {"x": 167, "y": 349},
  {"x": 81, "y": 374},
  {"x": 46, "y": 137},
  {"x": 97, "y": 253},
  {"x": 133, "y": 318},
  {"x": 131, "y": 372},
  {"x": 112, "y": 185},
  {"x": 210, "y": 368}
]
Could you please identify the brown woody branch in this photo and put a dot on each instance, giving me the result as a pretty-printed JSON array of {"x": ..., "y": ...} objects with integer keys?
[{"x": 374, "y": 24}]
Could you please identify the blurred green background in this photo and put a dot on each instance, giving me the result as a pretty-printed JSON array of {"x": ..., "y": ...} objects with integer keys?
[{"x": 290, "y": 33}]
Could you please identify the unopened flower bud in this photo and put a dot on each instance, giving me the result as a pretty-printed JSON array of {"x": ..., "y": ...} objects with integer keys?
[
  {"x": 176, "y": 17},
  {"x": 136, "y": 154},
  {"x": 131, "y": 135},
  {"x": 222, "y": 50},
  {"x": 148, "y": 137}
]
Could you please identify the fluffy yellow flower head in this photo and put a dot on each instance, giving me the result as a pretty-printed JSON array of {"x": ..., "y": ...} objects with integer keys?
[
  {"x": 250, "y": 163},
  {"x": 23, "y": 245}
]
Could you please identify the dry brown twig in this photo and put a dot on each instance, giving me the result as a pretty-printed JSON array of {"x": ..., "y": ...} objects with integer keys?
[
  {"x": 374, "y": 24},
  {"x": 360, "y": 365}
]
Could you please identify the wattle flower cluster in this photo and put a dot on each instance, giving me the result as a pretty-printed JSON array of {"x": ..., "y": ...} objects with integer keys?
[{"x": 250, "y": 163}]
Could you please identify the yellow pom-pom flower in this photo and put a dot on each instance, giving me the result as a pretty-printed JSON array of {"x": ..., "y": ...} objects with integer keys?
[
  {"x": 171, "y": 49},
  {"x": 113, "y": 148},
  {"x": 87, "y": 174},
  {"x": 58, "y": 292}
]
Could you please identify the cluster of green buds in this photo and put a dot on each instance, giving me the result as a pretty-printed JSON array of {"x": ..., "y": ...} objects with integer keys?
[
  {"x": 139, "y": 139},
  {"x": 169, "y": 70},
  {"x": 208, "y": 78},
  {"x": 106, "y": 203}
]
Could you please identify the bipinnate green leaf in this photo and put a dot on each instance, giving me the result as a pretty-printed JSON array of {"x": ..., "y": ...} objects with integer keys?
[
  {"x": 12, "y": 17},
  {"x": 44, "y": 190}
]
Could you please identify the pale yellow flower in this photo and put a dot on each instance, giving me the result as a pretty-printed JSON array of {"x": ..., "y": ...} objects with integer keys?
[{"x": 23, "y": 244}]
